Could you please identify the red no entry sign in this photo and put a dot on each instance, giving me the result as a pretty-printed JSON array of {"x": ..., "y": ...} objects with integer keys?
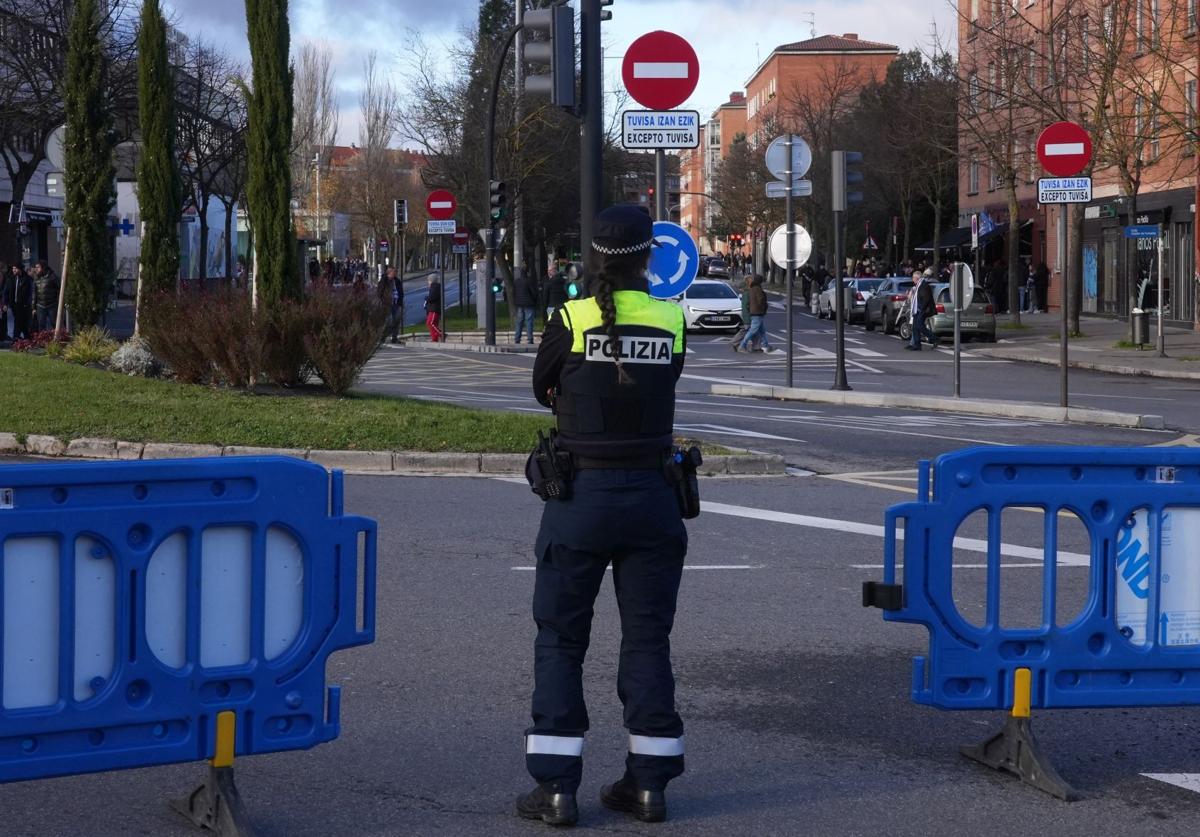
[
  {"x": 462, "y": 238},
  {"x": 441, "y": 205},
  {"x": 660, "y": 70},
  {"x": 1064, "y": 149}
]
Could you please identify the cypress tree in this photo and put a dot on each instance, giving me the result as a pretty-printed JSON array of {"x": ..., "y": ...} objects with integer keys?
[
  {"x": 159, "y": 190},
  {"x": 269, "y": 142},
  {"x": 90, "y": 140}
]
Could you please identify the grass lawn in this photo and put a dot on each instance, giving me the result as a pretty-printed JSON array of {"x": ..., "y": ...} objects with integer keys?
[{"x": 55, "y": 398}]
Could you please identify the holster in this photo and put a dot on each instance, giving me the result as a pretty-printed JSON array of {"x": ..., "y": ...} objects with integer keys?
[
  {"x": 680, "y": 469},
  {"x": 549, "y": 470}
]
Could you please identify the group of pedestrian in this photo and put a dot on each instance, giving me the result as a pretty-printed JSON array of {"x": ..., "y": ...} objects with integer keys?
[
  {"x": 753, "y": 335},
  {"x": 29, "y": 298}
]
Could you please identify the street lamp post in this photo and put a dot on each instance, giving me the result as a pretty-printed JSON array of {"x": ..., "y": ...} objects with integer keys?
[{"x": 317, "y": 165}]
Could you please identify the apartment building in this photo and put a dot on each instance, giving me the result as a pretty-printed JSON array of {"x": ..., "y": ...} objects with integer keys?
[{"x": 1145, "y": 168}]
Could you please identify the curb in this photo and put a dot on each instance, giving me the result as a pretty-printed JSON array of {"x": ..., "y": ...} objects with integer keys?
[
  {"x": 360, "y": 462},
  {"x": 477, "y": 348},
  {"x": 978, "y": 407},
  {"x": 1131, "y": 371}
]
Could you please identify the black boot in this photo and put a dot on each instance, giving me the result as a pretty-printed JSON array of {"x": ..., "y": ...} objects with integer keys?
[
  {"x": 647, "y": 806},
  {"x": 550, "y": 808}
]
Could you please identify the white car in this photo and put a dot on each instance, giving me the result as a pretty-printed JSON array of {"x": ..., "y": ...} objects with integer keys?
[{"x": 710, "y": 305}]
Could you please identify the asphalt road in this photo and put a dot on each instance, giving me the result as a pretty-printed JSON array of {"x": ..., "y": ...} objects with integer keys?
[
  {"x": 822, "y": 438},
  {"x": 795, "y": 698}
]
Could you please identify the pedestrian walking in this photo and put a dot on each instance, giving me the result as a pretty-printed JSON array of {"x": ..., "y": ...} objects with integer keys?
[
  {"x": 391, "y": 291},
  {"x": 745, "y": 327},
  {"x": 1029, "y": 291},
  {"x": 5, "y": 285},
  {"x": 525, "y": 300},
  {"x": 1041, "y": 283},
  {"x": 612, "y": 501},
  {"x": 45, "y": 296},
  {"x": 922, "y": 309},
  {"x": 21, "y": 296},
  {"x": 433, "y": 311},
  {"x": 757, "y": 307}
]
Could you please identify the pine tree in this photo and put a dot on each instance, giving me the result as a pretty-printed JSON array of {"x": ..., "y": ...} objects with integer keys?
[
  {"x": 269, "y": 141},
  {"x": 90, "y": 140},
  {"x": 158, "y": 181}
]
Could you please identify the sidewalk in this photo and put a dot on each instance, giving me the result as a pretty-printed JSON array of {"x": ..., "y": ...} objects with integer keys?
[{"x": 1037, "y": 341}]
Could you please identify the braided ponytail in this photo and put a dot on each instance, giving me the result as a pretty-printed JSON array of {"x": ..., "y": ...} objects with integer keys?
[{"x": 608, "y": 316}]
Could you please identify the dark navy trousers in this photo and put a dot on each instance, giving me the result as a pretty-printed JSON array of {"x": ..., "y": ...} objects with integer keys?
[{"x": 631, "y": 520}]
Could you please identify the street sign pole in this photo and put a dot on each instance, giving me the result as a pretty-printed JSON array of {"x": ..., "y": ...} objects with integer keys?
[
  {"x": 660, "y": 185},
  {"x": 839, "y": 296},
  {"x": 442, "y": 283},
  {"x": 591, "y": 135},
  {"x": 1158, "y": 300},
  {"x": 1064, "y": 293},
  {"x": 790, "y": 220}
]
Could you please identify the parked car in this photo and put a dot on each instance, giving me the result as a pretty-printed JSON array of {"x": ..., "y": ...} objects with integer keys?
[
  {"x": 978, "y": 320},
  {"x": 858, "y": 292},
  {"x": 717, "y": 269},
  {"x": 884, "y": 305},
  {"x": 710, "y": 305}
]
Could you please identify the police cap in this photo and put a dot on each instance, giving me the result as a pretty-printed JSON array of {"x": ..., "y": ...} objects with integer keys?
[{"x": 622, "y": 230}]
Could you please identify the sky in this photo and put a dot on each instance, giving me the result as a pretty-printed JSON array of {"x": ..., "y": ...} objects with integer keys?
[{"x": 731, "y": 37}]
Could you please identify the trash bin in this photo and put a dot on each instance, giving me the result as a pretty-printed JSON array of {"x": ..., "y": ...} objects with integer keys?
[{"x": 1141, "y": 326}]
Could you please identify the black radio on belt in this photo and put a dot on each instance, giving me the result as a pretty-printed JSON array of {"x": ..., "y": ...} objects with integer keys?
[
  {"x": 548, "y": 469},
  {"x": 681, "y": 467}
]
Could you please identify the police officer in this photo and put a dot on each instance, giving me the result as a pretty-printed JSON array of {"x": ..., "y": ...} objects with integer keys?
[{"x": 607, "y": 365}]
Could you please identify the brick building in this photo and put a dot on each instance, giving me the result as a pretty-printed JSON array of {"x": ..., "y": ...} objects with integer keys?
[
  {"x": 837, "y": 66},
  {"x": 1146, "y": 127}
]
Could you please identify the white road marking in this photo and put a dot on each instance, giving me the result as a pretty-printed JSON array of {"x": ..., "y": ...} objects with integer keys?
[
  {"x": 865, "y": 352},
  {"x": 1187, "y": 781},
  {"x": 855, "y": 528},
  {"x": 1003, "y": 566},
  {"x": 685, "y": 566},
  {"x": 722, "y": 430}
]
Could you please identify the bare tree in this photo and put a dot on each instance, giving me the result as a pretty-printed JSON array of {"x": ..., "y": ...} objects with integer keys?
[
  {"x": 315, "y": 121},
  {"x": 32, "y": 55},
  {"x": 211, "y": 133}
]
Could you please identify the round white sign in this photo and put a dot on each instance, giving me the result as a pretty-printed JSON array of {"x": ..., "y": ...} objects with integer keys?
[{"x": 778, "y": 246}]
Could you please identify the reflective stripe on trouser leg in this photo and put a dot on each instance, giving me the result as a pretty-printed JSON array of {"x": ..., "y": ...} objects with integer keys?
[
  {"x": 645, "y": 745},
  {"x": 554, "y": 745}
]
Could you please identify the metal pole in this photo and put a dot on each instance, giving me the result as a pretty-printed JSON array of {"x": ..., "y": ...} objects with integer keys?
[
  {"x": 442, "y": 283},
  {"x": 591, "y": 135},
  {"x": 839, "y": 243},
  {"x": 1063, "y": 398},
  {"x": 1162, "y": 338},
  {"x": 518, "y": 218},
  {"x": 790, "y": 220},
  {"x": 489, "y": 168},
  {"x": 317, "y": 163},
  {"x": 959, "y": 302},
  {"x": 660, "y": 185}
]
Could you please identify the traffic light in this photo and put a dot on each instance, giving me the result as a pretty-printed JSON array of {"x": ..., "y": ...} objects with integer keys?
[
  {"x": 555, "y": 48},
  {"x": 605, "y": 14},
  {"x": 573, "y": 283},
  {"x": 497, "y": 286},
  {"x": 400, "y": 212},
  {"x": 497, "y": 198},
  {"x": 844, "y": 177}
]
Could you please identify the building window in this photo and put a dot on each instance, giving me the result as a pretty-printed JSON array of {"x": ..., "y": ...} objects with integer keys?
[
  {"x": 993, "y": 85},
  {"x": 1139, "y": 26},
  {"x": 1031, "y": 67},
  {"x": 1154, "y": 22},
  {"x": 994, "y": 178},
  {"x": 1191, "y": 16},
  {"x": 973, "y": 91},
  {"x": 1031, "y": 158},
  {"x": 974, "y": 10},
  {"x": 1189, "y": 141},
  {"x": 973, "y": 177}
]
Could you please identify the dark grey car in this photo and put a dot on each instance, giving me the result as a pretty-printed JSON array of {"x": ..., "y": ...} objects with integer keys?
[{"x": 884, "y": 307}]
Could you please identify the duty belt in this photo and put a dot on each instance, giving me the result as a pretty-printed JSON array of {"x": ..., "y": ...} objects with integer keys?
[{"x": 641, "y": 463}]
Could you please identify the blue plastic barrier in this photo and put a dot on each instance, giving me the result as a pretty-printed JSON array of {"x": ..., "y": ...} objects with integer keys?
[
  {"x": 1136, "y": 641},
  {"x": 173, "y": 611}
]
